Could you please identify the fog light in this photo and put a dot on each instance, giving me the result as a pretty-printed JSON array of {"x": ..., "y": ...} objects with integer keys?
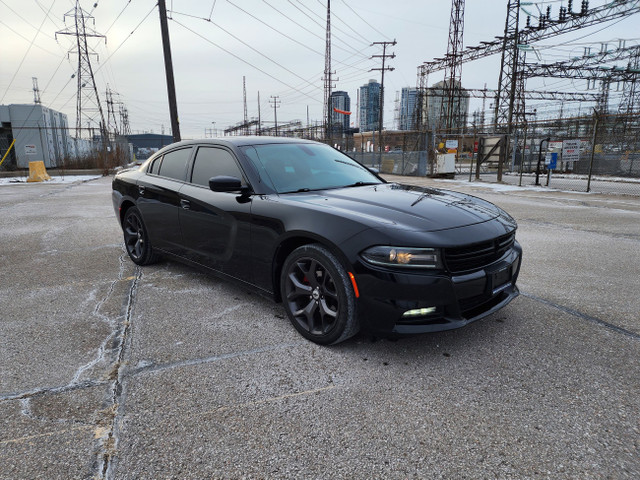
[{"x": 418, "y": 312}]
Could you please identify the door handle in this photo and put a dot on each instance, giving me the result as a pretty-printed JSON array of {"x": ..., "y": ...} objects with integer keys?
[{"x": 185, "y": 204}]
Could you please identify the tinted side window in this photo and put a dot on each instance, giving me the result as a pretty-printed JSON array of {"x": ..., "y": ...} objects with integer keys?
[
  {"x": 155, "y": 166},
  {"x": 174, "y": 163},
  {"x": 212, "y": 162}
]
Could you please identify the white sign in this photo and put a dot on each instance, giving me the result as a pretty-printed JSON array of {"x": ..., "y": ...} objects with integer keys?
[
  {"x": 30, "y": 150},
  {"x": 571, "y": 150},
  {"x": 451, "y": 144}
]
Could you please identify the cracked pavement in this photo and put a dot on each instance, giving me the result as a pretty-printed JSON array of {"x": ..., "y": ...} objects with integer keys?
[{"x": 108, "y": 370}]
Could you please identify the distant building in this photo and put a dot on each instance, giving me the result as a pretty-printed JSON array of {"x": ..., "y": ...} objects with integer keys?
[
  {"x": 146, "y": 144},
  {"x": 432, "y": 106},
  {"x": 369, "y": 106},
  {"x": 40, "y": 133},
  {"x": 408, "y": 104},
  {"x": 339, "y": 121}
]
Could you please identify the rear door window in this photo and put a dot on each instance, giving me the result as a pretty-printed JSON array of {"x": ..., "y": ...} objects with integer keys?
[
  {"x": 174, "y": 164},
  {"x": 213, "y": 162},
  {"x": 155, "y": 166}
]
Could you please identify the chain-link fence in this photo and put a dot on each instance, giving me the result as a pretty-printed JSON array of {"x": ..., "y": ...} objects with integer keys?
[{"x": 599, "y": 153}]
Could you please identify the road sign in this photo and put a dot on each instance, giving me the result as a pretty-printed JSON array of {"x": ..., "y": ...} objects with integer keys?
[
  {"x": 571, "y": 150},
  {"x": 551, "y": 160}
]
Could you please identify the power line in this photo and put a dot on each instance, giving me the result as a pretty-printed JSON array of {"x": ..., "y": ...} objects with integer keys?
[
  {"x": 365, "y": 41},
  {"x": 320, "y": 25},
  {"x": 241, "y": 59},
  {"x": 303, "y": 27},
  {"x": 243, "y": 42},
  {"x": 275, "y": 29},
  {"x": 357, "y": 15},
  {"x": 15, "y": 74}
]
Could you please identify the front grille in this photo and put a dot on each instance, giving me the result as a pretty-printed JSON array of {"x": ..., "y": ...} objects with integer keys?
[{"x": 477, "y": 255}]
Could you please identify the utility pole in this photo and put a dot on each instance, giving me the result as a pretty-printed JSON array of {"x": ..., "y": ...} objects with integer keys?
[
  {"x": 168, "y": 67},
  {"x": 384, "y": 57},
  {"x": 275, "y": 103},
  {"x": 259, "y": 117}
]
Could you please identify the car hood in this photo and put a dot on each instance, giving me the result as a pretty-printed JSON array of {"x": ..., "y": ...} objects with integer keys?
[{"x": 406, "y": 207}]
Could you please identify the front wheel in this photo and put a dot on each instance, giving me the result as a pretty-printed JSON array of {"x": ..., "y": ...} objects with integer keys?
[
  {"x": 136, "y": 238},
  {"x": 318, "y": 296}
]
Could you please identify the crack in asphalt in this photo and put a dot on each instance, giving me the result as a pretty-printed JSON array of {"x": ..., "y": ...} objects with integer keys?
[
  {"x": 152, "y": 368},
  {"x": 108, "y": 434},
  {"x": 40, "y": 392},
  {"x": 584, "y": 316},
  {"x": 102, "y": 349}
]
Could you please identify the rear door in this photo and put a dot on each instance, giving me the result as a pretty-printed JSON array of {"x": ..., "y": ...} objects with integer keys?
[
  {"x": 216, "y": 226},
  {"x": 158, "y": 199}
]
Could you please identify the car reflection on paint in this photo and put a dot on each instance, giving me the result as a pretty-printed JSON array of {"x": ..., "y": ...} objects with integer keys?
[{"x": 303, "y": 223}]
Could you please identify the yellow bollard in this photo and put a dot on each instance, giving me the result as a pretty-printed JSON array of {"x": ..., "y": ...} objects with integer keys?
[{"x": 37, "y": 172}]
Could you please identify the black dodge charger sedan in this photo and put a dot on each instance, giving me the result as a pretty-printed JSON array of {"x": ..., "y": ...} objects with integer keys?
[{"x": 303, "y": 223}]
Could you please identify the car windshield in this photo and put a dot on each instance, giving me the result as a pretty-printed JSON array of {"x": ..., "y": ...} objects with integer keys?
[{"x": 298, "y": 167}]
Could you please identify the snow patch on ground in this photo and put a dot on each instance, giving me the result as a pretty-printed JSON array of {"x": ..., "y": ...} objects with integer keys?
[
  {"x": 501, "y": 187},
  {"x": 65, "y": 179}
]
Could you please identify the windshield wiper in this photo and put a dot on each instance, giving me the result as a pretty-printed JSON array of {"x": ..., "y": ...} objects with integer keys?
[
  {"x": 300, "y": 190},
  {"x": 361, "y": 184}
]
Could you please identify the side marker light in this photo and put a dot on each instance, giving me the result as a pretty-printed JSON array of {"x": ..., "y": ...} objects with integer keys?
[{"x": 355, "y": 285}]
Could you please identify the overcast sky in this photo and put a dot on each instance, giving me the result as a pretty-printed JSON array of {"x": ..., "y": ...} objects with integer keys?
[{"x": 278, "y": 45}]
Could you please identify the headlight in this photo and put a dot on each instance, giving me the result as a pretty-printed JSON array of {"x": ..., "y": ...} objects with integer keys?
[{"x": 403, "y": 257}]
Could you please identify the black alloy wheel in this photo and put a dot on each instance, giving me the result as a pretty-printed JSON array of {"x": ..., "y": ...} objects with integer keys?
[
  {"x": 318, "y": 296},
  {"x": 136, "y": 239}
]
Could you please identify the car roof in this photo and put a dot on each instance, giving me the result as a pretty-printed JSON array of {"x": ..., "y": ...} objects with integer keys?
[{"x": 239, "y": 141}]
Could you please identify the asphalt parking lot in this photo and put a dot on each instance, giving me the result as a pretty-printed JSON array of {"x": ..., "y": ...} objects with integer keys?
[{"x": 108, "y": 370}]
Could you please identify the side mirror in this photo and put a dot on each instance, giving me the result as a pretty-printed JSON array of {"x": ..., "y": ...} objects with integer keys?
[
  {"x": 223, "y": 183},
  {"x": 374, "y": 170}
]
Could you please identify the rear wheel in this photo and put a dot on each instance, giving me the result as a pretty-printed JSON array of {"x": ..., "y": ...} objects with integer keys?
[
  {"x": 318, "y": 296},
  {"x": 136, "y": 238}
]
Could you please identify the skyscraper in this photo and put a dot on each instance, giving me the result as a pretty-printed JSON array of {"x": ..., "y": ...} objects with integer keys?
[
  {"x": 434, "y": 99},
  {"x": 340, "y": 100},
  {"x": 369, "y": 106},
  {"x": 408, "y": 102}
]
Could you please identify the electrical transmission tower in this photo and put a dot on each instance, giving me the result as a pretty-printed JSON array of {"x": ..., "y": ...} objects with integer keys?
[
  {"x": 328, "y": 85},
  {"x": 630, "y": 102},
  {"x": 36, "y": 91},
  {"x": 88, "y": 108},
  {"x": 510, "y": 84},
  {"x": 112, "y": 122},
  {"x": 275, "y": 103},
  {"x": 125, "y": 128},
  {"x": 451, "y": 109},
  {"x": 244, "y": 99},
  {"x": 509, "y": 109}
]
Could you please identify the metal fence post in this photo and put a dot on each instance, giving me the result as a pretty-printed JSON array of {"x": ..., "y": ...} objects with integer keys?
[
  {"x": 593, "y": 147},
  {"x": 524, "y": 148}
]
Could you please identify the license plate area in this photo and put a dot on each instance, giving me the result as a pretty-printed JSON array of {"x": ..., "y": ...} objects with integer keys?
[{"x": 501, "y": 279}]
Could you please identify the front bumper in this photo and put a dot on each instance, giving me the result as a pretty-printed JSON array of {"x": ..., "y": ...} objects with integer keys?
[{"x": 453, "y": 300}]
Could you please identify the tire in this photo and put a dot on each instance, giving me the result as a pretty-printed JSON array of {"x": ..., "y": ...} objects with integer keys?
[
  {"x": 318, "y": 296},
  {"x": 136, "y": 238}
]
